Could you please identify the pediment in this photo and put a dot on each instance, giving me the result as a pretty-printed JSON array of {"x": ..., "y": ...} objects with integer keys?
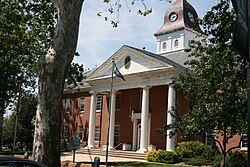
[{"x": 131, "y": 61}]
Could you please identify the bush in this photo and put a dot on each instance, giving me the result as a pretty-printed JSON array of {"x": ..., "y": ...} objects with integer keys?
[
  {"x": 198, "y": 161},
  {"x": 64, "y": 145},
  {"x": 238, "y": 159},
  {"x": 189, "y": 149},
  {"x": 210, "y": 154},
  {"x": 150, "y": 156},
  {"x": 166, "y": 156}
]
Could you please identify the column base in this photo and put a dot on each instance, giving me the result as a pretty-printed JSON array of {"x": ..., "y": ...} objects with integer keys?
[
  {"x": 142, "y": 150},
  {"x": 89, "y": 147},
  {"x": 109, "y": 148}
]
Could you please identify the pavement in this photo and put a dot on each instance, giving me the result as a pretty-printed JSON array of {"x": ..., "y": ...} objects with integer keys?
[{"x": 80, "y": 157}]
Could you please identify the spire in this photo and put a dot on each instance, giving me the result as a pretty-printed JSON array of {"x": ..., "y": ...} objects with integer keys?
[{"x": 180, "y": 15}]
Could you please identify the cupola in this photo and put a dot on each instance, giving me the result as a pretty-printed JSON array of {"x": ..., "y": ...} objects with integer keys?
[{"x": 178, "y": 29}]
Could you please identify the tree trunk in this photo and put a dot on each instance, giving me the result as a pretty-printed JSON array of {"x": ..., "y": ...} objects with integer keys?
[
  {"x": 1, "y": 129},
  {"x": 51, "y": 73},
  {"x": 224, "y": 151}
]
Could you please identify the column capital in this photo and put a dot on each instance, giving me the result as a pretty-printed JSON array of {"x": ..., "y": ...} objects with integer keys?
[
  {"x": 145, "y": 87},
  {"x": 92, "y": 92}
]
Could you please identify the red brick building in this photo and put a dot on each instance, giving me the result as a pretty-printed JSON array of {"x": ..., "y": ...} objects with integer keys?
[{"x": 142, "y": 103}]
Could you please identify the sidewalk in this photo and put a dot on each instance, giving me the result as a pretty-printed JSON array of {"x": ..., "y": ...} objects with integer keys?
[{"x": 79, "y": 157}]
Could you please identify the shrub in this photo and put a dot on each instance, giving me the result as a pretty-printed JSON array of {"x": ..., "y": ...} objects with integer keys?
[
  {"x": 150, "y": 156},
  {"x": 210, "y": 154},
  {"x": 166, "y": 156},
  {"x": 238, "y": 159},
  {"x": 64, "y": 146},
  {"x": 189, "y": 149},
  {"x": 198, "y": 161}
]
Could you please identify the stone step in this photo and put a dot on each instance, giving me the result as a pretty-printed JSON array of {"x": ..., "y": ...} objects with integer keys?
[{"x": 114, "y": 153}]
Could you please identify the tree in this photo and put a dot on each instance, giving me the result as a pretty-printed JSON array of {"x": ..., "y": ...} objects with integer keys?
[
  {"x": 25, "y": 128},
  {"x": 52, "y": 69},
  {"x": 25, "y": 32},
  {"x": 216, "y": 86},
  {"x": 25, "y": 133},
  {"x": 51, "y": 72}
]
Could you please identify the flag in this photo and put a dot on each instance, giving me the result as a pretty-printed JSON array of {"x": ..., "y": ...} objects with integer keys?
[
  {"x": 118, "y": 73},
  {"x": 240, "y": 37}
]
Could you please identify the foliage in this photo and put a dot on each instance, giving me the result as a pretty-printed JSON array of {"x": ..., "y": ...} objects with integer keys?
[
  {"x": 189, "y": 149},
  {"x": 215, "y": 87},
  {"x": 162, "y": 156},
  {"x": 238, "y": 159},
  {"x": 26, "y": 30},
  {"x": 25, "y": 128},
  {"x": 166, "y": 156},
  {"x": 64, "y": 146},
  {"x": 198, "y": 161},
  {"x": 141, "y": 164},
  {"x": 114, "y": 8},
  {"x": 8, "y": 130},
  {"x": 210, "y": 154},
  {"x": 151, "y": 155}
]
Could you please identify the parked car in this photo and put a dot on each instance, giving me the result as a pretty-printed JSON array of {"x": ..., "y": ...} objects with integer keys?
[{"x": 18, "y": 162}]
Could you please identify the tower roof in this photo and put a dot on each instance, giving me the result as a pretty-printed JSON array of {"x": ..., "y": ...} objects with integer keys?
[{"x": 180, "y": 15}]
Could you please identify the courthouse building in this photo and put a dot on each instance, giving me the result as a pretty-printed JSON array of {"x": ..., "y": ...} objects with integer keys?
[{"x": 141, "y": 104}]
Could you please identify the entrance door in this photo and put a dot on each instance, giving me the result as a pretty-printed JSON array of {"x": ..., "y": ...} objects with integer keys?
[{"x": 139, "y": 137}]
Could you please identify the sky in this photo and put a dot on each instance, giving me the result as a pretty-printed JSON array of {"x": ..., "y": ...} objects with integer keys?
[{"x": 98, "y": 40}]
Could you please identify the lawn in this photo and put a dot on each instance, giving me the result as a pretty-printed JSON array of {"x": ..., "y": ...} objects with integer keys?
[{"x": 141, "y": 164}]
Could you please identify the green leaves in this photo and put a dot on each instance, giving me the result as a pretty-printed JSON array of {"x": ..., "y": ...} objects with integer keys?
[
  {"x": 113, "y": 10},
  {"x": 215, "y": 87}
]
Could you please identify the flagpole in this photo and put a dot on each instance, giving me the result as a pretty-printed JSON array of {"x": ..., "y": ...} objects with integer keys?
[
  {"x": 248, "y": 84},
  {"x": 110, "y": 100}
]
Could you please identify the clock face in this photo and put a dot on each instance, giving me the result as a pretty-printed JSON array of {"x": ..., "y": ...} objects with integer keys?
[
  {"x": 191, "y": 17},
  {"x": 173, "y": 16}
]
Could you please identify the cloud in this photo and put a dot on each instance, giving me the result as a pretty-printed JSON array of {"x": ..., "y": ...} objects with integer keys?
[{"x": 98, "y": 40}]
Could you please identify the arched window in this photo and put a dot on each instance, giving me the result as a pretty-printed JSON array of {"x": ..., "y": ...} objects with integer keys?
[
  {"x": 176, "y": 43},
  {"x": 164, "y": 46}
]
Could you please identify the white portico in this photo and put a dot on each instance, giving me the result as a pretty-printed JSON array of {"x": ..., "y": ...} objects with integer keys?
[{"x": 142, "y": 70}]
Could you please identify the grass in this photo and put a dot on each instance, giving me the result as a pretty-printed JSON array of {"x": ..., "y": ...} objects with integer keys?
[{"x": 141, "y": 164}]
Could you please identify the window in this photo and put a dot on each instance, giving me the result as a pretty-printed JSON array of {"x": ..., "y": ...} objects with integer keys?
[
  {"x": 118, "y": 102},
  {"x": 67, "y": 105},
  {"x": 209, "y": 138},
  {"x": 97, "y": 133},
  {"x": 82, "y": 100},
  {"x": 99, "y": 102},
  {"x": 117, "y": 135},
  {"x": 244, "y": 142},
  {"x": 176, "y": 43},
  {"x": 164, "y": 46},
  {"x": 66, "y": 132},
  {"x": 80, "y": 130}
]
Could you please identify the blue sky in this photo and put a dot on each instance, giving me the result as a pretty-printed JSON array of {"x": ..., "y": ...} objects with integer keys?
[{"x": 98, "y": 40}]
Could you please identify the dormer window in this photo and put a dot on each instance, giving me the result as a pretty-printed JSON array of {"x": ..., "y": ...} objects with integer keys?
[
  {"x": 164, "y": 46},
  {"x": 176, "y": 43}
]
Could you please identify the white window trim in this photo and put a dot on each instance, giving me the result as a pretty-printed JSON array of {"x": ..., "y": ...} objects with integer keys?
[
  {"x": 99, "y": 110},
  {"x": 82, "y": 111},
  {"x": 243, "y": 148},
  {"x": 206, "y": 139}
]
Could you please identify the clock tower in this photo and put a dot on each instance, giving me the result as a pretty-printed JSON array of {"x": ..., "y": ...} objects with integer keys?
[{"x": 178, "y": 29}]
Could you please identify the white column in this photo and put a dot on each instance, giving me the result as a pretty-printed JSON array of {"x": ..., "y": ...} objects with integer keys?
[
  {"x": 170, "y": 142},
  {"x": 92, "y": 117},
  {"x": 135, "y": 124},
  {"x": 144, "y": 120},
  {"x": 112, "y": 120},
  {"x": 149, "y": 127}
]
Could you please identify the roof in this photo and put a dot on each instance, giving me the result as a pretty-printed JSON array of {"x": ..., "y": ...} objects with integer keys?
[
  {"x": 182, "y": 12},
  {"x": 159, "y": 57}
]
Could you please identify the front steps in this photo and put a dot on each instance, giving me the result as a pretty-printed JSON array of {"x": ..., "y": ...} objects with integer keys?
[{"x": 113, "y": 153}]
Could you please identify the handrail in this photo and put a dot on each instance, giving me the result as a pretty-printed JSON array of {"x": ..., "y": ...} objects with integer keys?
[{"x": 117, "y": 145}]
